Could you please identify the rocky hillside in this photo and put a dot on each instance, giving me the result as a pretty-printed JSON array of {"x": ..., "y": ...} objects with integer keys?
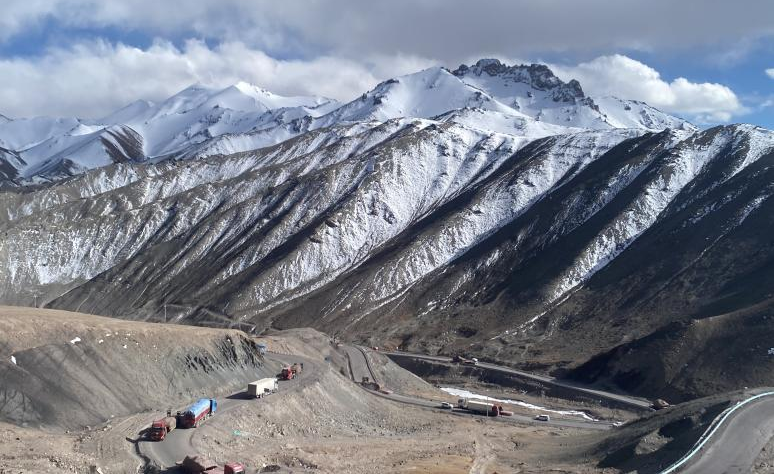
[
  {"x": 493, "y": 209},
  {"x": 71, "y": 370}
]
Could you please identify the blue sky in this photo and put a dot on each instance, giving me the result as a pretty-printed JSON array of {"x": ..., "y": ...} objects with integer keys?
[{"x": 701, "y": 59}]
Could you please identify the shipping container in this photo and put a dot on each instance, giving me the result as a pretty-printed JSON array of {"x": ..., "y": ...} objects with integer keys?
[
  {"x": 197, "y": 413},
  {"x": 262, "y": 387},
  {"x": 489, "y": 409}
]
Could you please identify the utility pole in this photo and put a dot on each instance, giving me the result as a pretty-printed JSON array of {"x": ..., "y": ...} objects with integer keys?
[
  {"x": 35, "y": 295},
  {"x": 165, "y": 313}
]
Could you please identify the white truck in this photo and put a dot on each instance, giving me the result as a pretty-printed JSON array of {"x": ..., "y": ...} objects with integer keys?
[
  {"x": 262, "y": 387},
  {"x": 476, "y": 406}
]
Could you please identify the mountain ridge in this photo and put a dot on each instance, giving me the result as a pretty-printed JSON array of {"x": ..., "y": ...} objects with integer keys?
[{"x": 199, "y": 120}]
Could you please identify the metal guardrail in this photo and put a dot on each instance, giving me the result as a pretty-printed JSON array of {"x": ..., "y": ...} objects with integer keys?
[{"x": 710, "y": 431}]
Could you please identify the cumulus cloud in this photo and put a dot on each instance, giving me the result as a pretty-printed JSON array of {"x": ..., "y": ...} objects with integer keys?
[
  {"x": 627, "y": 78},
  {"x": 340, "y": 48},
  {"x": 445, "y": 29},
  {"x": 770, "y": 72},
  {"x": 92, "y": 79}
]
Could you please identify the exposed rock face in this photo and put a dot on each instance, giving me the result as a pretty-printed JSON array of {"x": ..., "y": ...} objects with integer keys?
[{"x": 538, "y": 76}]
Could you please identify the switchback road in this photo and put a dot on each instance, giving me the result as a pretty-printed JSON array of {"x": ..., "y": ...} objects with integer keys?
[
  {"x": 360, "y": 367},
  {"x": 632, "y": 402}
]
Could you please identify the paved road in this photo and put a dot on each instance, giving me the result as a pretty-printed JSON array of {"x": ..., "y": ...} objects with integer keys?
[
  {"x": 738, "y": 442},
  {"x": 358, "y": 364},
  {"x": 633, "y": 402},
  {"x": 360, "y": 367},
  {"x": 179, "y": 443}
]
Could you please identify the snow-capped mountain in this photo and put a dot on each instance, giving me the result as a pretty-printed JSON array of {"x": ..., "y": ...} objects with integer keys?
[
  {"x": 493, "y": 209},
  {"x": 201, "y": 121},
  {"x": 535, "y": 91},
  {"x": 54, "y": 148}
]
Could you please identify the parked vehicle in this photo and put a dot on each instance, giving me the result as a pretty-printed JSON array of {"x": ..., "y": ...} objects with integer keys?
[
  {"x": 446, "y": 405},
  {"x": 197, "y": 413},
  {"x": 160, "y": 428},
  {"x": 543, "y": 418},
  {"x": 199, "y": 465},
  {"x": 263, "y": 387},
  {"x": 262, "y": 348}
]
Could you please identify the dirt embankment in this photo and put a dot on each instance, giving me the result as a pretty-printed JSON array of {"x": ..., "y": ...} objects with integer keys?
[
  {"x": 68, "y": 370},
  {"x": 306, "y": 342}
]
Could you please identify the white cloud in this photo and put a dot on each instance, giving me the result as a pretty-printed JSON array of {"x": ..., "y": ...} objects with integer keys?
[
  {"x": 445, "y": 29},
  {"x": 627, "y": 78},
  {"x": 770, "y": 72},
  {"x": 91, "y": 79}
]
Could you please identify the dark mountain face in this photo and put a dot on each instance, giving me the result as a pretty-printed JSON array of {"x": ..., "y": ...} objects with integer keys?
[
  {"x": 9, "y": 172},
  {"x": 635, "y": 258},
  {"x": 702, "y": 261}
]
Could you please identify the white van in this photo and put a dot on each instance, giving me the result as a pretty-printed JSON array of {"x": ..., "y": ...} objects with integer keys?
[{"x": 543, "y": 418}]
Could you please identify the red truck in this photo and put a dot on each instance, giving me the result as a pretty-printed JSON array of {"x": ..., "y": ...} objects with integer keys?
[
  {"x": 287, "y": 373},
  {"x": 160, "y": 428},
  {"x": 292, "y": 371},
  {"x": 200, "y": 465}
]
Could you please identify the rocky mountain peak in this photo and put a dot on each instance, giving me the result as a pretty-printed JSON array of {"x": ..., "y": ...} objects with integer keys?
[{"x": 538, "y": 76}]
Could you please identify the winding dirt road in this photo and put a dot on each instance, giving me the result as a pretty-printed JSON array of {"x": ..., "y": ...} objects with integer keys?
[{"x": 179, "y": 442}]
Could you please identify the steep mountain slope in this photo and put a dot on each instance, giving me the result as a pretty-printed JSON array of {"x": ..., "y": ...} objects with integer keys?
[
  {"x": 508, "y": 215},
  {"x": 69, "y": 370},
  {"x": 549, "y": 254},
  {"x": 10, "y": 163}
]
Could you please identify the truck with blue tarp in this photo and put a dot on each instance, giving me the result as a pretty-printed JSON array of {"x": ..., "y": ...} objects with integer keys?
[{"x": 195, "y": 414}]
